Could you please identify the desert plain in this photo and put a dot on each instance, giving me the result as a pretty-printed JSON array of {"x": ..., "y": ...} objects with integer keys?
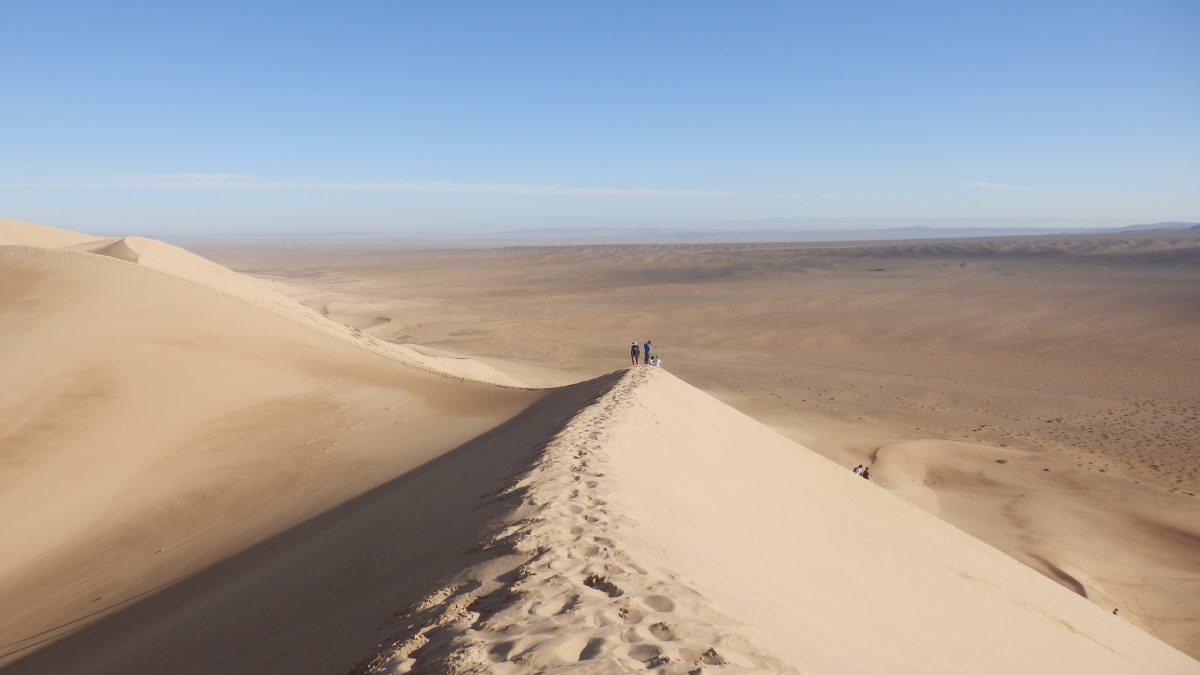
[{"x": 348, "y": 455}]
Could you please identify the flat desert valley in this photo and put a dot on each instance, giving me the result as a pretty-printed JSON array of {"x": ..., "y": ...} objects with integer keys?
[{"x": 348, "y": 456}]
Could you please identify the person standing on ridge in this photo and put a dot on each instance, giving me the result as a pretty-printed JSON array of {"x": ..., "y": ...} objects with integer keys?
[
  {"x": 646, "y": 352},
  {"x": 633, "y": 353}
]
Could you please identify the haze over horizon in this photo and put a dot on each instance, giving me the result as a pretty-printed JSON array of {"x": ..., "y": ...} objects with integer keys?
[{"x": 226, "y": 119}]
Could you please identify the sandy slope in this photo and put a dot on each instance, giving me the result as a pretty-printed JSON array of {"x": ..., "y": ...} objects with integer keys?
[
  {"x": 153, "y": 423},
  {"x": 178, "y": 263},
  {"x": 15, "y": 232},
  {"x": 318, "y": 597},
  {"x": 662, "y": 529},
  {"x": 1041, "y": 393}
]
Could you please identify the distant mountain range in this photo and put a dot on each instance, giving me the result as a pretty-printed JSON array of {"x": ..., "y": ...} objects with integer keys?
[
  {"x": 775, "y": 231},
  {"x": 1169, "y": 225},
  {"x": 782, "y": 233}
]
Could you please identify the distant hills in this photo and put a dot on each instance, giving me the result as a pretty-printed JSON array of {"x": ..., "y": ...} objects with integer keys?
[
  {"x": 769, "y": 231},
  {"x": 773, "y": 234},
  {"x": 1169, "y": 225}
]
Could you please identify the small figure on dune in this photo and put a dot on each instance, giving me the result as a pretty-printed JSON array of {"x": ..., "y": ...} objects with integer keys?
[
  {"x": 1114, "y": 611},
  {"x": 858, "y": 470},
  {"x": 656, "y": 362},
  {"x": 646, "y": 352},
  {"x": 866, "y": 472},
  {"x": 634, "y": 352}
]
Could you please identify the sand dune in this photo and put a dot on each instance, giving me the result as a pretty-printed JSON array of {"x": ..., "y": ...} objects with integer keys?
[
  {"x": 206, "y": 477},
  {"x": 605, "y": 531},
  {"x": 644, "y": 539},
  {"x": 17, "y": 233},
  {"x": 318, "y": 597},
  {"x": 151, "y": 425},
  {"x": 1070, "y": 358}
]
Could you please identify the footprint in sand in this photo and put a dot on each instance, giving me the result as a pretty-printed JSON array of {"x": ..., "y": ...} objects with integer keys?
[
  {"x": 632, "y": 635},
  {"x": 659, "y": 603},
  {"x": 592, "y": 649},
  {"x": 648, "y": 654},
  {"x": 602, "y": 584},
  {"x": 663, "y": 631},
  {"x": 629, "y": 614}
]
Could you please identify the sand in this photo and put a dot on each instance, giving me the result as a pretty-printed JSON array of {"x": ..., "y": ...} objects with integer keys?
[
  {"x": 202, "y": 474},
  {"x": 153, "y": 426},
  {"x": 645, "y": 540},
  {"x": 1061, "y": 370}
]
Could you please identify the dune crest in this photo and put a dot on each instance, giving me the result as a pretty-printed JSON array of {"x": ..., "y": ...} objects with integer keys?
[
  {"x": 18, "y": 233},
  {"x": 662, "y": 529},
  {"x": 121, "y": 249},
  {"x": 183, "y": 264},
  {"x": 585, "y": 596}
]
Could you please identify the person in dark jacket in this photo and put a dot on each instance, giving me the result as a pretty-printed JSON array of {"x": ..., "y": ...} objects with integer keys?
[{"x": 633, "y": 353}]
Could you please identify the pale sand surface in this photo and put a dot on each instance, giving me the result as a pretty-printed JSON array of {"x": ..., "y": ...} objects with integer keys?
[
  {"x": 1070, "y": 359},
  {"x": 150, "y": 426},
  {"x": 648, "y": 540},
  {"x": 200, "y": 475}
]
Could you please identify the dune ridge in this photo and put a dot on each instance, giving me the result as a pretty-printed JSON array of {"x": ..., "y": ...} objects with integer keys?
[
  {"x": 663, "y": 530},
  {"x": 583, "y": 597},
  {"x": 18, "y": 233},
  {"x": 164, "y": 258}
]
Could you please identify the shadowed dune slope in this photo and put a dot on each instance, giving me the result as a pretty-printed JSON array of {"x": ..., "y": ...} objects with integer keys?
[{"x": 316, "y": 597}]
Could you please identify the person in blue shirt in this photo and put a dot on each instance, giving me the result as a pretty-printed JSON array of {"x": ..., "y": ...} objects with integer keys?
[{"x": 646, "y": 352}]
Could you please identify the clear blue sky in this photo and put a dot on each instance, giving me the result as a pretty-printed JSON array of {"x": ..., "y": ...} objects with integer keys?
[{"x": 174, "y": 117}]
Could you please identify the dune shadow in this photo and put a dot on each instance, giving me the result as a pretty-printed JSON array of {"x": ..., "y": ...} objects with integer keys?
[
  {"x": 1058, "y": 575},
  {"x": 318, "y": 597}
]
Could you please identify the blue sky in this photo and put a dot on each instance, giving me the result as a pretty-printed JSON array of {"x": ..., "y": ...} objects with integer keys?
[{"x": 219, "y": 117}]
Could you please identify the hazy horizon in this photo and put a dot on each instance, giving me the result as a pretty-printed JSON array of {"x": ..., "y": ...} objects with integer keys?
[{"x": 698, "y": 232}]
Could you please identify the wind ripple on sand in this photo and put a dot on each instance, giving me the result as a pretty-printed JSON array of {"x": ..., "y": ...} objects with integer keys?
[{"x": 579, "y": 598}]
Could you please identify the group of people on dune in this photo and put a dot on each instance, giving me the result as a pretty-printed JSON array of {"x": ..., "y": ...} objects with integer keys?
[
  {"x": 644, "y": 350},
  {"x": 863, "y": 471}
]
